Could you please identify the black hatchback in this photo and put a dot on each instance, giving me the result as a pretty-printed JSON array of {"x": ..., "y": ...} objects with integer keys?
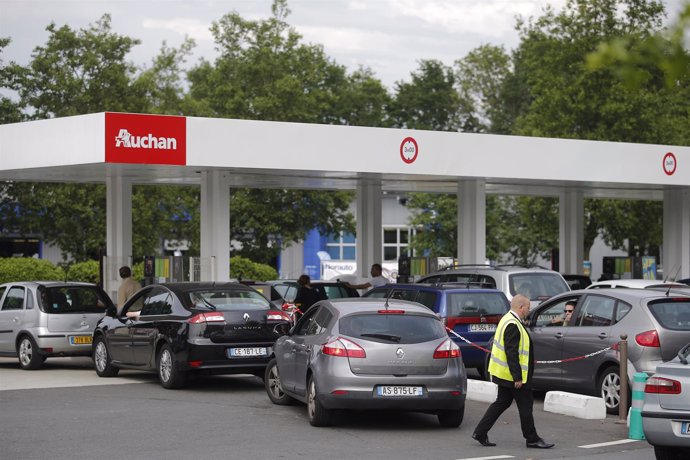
[{"x": 179, "y": 328}]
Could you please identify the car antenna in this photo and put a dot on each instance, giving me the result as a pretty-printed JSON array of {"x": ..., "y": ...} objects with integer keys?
[
  {"x": 668, "y": 291},
  {"x": 674, "y": 275},
  {"x": 388, "y": 297}
]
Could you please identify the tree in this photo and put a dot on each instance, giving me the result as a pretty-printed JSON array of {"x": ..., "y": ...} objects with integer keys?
[{"x": 10, "y": 111}]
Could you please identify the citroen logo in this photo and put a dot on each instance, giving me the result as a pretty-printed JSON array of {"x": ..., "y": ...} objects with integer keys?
[
  {"x": 400, "y": 353},
  {"x": 246, "y": 317}
]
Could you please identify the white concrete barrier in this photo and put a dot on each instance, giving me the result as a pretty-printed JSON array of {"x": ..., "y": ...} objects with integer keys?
[
  {"x": 479, "y": 390},
  {"x": 580, "y": 406}
]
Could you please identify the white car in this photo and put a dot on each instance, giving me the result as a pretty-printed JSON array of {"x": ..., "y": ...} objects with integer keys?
[{"x": 636, "y": 284}]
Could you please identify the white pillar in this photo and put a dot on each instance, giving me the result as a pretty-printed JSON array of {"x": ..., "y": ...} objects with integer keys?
[
  {"x": 215, "y": 226},
  {"x": 369, "y": 225},
  {"x": 472, "y": 221},
  {"x": 571, "y": 238},
  {"x": 676, "y": 245},
  {"x": 118, "y": 223}
]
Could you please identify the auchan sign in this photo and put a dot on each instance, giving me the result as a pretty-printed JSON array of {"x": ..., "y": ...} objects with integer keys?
[{"x": 147, "y": 139}]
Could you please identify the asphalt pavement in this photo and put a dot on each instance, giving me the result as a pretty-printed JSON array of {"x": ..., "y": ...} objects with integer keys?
[{"x": 65, "y": 411}]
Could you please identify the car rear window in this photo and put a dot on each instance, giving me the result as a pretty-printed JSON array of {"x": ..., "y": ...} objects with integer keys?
[
  {"x": 537, "y": 286},
  {"x": 72, "y": 299},
  {"x": 476, "y": 304},
  {"x": 227, "y": 300},
  {"x": 672, "y": 313},
  {"x": 392, "y": 328}
]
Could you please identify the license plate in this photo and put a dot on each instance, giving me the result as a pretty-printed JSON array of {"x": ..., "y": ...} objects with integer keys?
[
  {"x": 685, "y": 428},
  {"x": 247, "y": 352},
  {"x": 80, "y": 339},
  {"x": 399, "y": 391},
  {"x": 482, "y": 327}
]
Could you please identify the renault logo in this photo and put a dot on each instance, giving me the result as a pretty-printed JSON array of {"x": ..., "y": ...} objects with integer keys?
[
  {"x": 246, "y": 317},
  {"x": 400, "y": 353}
]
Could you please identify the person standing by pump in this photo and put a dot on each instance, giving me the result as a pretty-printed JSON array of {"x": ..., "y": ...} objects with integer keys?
[{"x": 511, "y": 367}]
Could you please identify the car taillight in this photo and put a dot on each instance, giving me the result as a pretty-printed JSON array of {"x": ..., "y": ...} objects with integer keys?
[
  {"x": 448, "y": 349},
  {"x": 662, "y": 385},
  {"x": 343, "y": 347},
  {"x": 648, "y": 339},
  {"x": 287, "y": 306},
  {"x": 278, "y": 316},
  {"x": 391, "y": 312},
  {"x": 207, "y": 318}
]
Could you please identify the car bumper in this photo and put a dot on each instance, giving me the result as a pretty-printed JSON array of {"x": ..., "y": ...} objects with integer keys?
[
  {"x": 339, "y": 388},
  {"x": 60, "y": 344},
  {"x": 663, "y": 428},
  {"x": 216, "y": 358}
]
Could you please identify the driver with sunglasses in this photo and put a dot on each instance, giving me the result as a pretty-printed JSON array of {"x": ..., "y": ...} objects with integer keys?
[{"x": 567, "y": 314}]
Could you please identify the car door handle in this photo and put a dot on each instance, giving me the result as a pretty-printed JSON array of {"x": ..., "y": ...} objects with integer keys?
[
  {"x": 558, "y": 335},
  {"x": 603, "y": 335}
]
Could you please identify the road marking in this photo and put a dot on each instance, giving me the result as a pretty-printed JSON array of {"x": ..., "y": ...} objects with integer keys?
[
  {"x": 612, "y": 443},
  {"x": 487, "y": 458}
]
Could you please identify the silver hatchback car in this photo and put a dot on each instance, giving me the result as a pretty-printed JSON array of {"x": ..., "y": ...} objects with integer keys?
[
  {"x": 666, "y": 409},
  {"x": 39, "y": 319},
  {"x": 369, "y": 354}
]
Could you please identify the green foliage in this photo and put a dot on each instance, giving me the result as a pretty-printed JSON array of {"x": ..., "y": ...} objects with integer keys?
[
  {"x": 29, "y": 269},
  {"x": 244, "y": 269},
  {"x": 86, "y": 271}
]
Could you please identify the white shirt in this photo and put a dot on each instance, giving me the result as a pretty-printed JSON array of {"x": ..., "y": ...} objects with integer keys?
[{"x": 378, "y": 281}]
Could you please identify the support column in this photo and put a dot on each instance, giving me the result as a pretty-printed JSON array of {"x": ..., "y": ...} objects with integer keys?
[
  {"x": 118, "y": 223},
  {"x": 369, "y": 224},
  {"x": 472, "y": 221},
  {"x": 676, "y": 245},
  {"x": 571, "y": 238},
  {"x": 215, "y": 226}
]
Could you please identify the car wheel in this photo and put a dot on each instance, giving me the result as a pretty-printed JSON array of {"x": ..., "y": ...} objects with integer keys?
[
  {"x": 274, "y": 390},
  {"x": 169, "y": 373},
  {"x": 29, "y": 357},
  {"x": 318, "y": 415},
  {"x": 670, "y": 453},
  {"x": 451, "y": 418},
  {"x": 610, "y": 388},
  {"x": 101, "y": 359}
]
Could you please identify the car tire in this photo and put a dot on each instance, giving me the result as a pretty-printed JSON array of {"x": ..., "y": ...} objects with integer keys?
[
  {"x": 101, "y": 359},
  {"x": 609, "y": 388},
  {"x": 451, "y": 418},
  {"x": 318, "y": 415},
  {"x": 27, "y": 352},
  {"x": 670, "y": 453},
  {"x": 274, "y": 390},
  {"x": 169, "y": 372}
]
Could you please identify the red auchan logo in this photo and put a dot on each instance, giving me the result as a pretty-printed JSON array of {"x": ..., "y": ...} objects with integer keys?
[{"x": 146, "y": 139}]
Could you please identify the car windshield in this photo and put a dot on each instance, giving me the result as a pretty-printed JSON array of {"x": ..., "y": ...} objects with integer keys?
[
  {"x": 477, "y": 304},
  {"x": 537, "y": 285},
  {"x": 672, "y": 313},
  {"x": 392, "y": 328},
  {"x": 227, "y": 300},
  {"x": 72, "y": 299}
]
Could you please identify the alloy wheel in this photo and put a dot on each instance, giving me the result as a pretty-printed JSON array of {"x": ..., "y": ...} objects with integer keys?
[
  {"x": 26, "y": 351},
  {"x": 610, "y": 390},
  {"x": 274, "y": 383},
  {"x": 165, "y": 365},
  {"x": 101, "y": 356},
  {"x": 311, "y": 396}
]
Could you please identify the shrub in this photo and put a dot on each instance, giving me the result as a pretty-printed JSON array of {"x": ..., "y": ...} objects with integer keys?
[
  {"x": 29, "y": 269},
  {"x": 83, "y": 271},
  {"x": 245, "y": 269}
]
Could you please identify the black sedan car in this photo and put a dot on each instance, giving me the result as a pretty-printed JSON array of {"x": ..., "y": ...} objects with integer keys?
[{"x": 178, "y": 328}]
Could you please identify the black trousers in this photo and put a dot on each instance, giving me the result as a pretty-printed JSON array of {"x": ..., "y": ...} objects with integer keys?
[{"x": 523, "y": 398}]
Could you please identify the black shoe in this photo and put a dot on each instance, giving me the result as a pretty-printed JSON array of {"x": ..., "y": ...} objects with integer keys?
[
  {"x": 483, "y": 440},
  {"x": 540, "y": 444}
]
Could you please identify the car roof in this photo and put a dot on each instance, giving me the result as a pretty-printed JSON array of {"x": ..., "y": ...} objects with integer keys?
[
  {"x": 630, "y": 295},
  {"x": 49, "y": 283},
  {"x": 347, "y": 305},
  {"x": 446, "y": 286},
  {"x": 190, "y": 286},
  {"x": 636, "y": 283}
]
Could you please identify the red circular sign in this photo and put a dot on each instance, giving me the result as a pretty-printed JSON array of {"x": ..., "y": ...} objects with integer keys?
[
  {"x": 669, "y": 163},
  {"x": 409, "y": 150}
]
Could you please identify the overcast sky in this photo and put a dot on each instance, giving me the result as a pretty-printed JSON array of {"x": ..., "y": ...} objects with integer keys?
[{"x": 388, "y": 36}]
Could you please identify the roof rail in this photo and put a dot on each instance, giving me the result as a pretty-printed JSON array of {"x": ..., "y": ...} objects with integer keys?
[
  {"x": 468, "y": 284},
  {"x": 452, "y": 266},
  {"x": 522, "y": 266}
]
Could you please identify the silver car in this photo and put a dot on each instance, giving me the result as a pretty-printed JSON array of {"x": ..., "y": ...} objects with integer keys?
[
  {"x": 666, "y": 409},
  {"x": 581, "y": 355},
  {"x": 369, "y": 354},
  {"x": 49, "y": 318}
]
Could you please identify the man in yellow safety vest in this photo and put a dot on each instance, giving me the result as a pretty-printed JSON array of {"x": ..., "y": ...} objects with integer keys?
[{"x": 511, "y": 367}]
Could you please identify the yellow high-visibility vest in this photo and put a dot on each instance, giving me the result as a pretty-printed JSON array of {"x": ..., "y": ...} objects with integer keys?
[{"x": 498, "y": 366}]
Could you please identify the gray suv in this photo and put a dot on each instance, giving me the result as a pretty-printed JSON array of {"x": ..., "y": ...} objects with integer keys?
[
  {"x": 40, "y": 319},
  {"x": 575, "y": 356},
  {"x": 537, "y": 283}
]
